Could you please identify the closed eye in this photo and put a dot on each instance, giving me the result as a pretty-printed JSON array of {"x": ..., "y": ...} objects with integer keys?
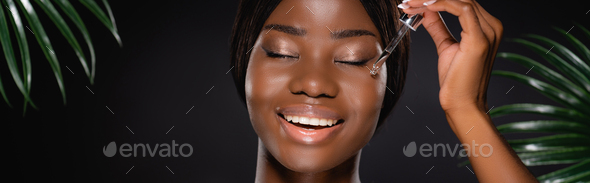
[
  {"x": 355, "y": 63},
  {"x": 272, "y": 54},
  {"x": 276, "y": 55}
]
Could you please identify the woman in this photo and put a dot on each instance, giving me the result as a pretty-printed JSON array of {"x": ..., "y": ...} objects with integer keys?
[{"x": 302, "y": 71}]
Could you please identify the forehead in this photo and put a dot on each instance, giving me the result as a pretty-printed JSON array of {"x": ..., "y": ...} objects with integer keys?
[{"x": 322, "y": 15}]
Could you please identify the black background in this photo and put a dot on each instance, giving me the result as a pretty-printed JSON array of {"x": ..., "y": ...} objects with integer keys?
[{"x": 174, "y": 52}]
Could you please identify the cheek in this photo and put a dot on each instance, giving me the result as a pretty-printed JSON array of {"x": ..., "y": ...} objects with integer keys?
[
  {"x": 262, "y": 88},
  {"x": 364, "y": 99}
]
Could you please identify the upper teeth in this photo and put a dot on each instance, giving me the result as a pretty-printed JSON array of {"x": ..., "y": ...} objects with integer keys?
[{"x": 311, "y": 121}]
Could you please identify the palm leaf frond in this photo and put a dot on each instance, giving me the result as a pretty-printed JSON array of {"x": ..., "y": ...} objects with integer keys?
[
  {"x": 577, "y": 43},
  {"x": 60, "y": 23},
  {"x": 21, "y": 38},
  {"x": 71, "y": 12},
  {"x": 24, "y": 7},
  {"x": 564, "y": 52},
  {"x": 108, "y": 21},
  {"x": 547, "y": 90},
  {"x": 553, "y": 142},
  {"x": 4, "y": 33},
  {"x": 550, "y": 75},
  {"x": 571, "y": 144},
  {"x": 44, "y": 43},
  {"x": 541, "y": 109},
  {"x": 569, "y": 174},
  {"x": 10, "y": 57},
  {"x": 549, "y": 126},
  {"x": 552, "y": 157},
  {"x": 566, "y": 68}
]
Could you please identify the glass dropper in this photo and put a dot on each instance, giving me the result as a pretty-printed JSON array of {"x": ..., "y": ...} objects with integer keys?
[{"x": 410, "y": 22}]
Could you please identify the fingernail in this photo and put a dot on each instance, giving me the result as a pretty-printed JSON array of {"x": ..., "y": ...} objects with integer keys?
[
  {"x": 403, "y": 6},
  {"x": 429, "y": 2},
  {"x": 405, "y": 1}
]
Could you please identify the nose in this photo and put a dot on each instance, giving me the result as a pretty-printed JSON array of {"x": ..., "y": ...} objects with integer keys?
[{"x": 314, "y": 78}]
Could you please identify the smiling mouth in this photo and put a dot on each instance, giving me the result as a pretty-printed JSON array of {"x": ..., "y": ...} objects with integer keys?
[{"x": 308, "y": 123}]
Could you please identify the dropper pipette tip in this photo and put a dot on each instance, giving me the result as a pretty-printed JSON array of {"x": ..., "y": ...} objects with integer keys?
[{"x": 410, "y": 22}]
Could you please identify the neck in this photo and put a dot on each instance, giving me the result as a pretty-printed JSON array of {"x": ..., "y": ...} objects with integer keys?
[{"x": 268, "y": 169}]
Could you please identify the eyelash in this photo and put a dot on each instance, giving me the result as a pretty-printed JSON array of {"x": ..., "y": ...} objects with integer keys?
[
  {"x": 354, "y": 63},
  {"x": 276, "y": 55}
]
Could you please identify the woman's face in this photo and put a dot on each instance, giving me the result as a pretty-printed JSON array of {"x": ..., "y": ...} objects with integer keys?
[{"x": 309, "y": 62}]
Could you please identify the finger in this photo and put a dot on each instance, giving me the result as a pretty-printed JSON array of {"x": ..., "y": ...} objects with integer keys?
[
  {"x": 491, "y": 36},
  {"x": 489, "y": 31},
  {"x": 472, "y": 33},
  {"x": 485, "y": 26},
  {"x": 417, "y": 6},
  {"x": 468, "y": 19},
  {"x": 466, "y": 69},
  {"x": 441, "y": 36},
  {"x": 493, "y": 24},
  {"x": 492, "y": 21},
  {"x": 435, "y": 25}
]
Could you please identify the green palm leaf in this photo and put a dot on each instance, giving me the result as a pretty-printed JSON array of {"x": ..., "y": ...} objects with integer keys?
[
  {"x": 24, "y": 48},
  {"x": 572, "y": 143},
  {"x": 60, "y": 23},
  {"x": 10, "y": 58},
  {"x": 541, "y": 109},
  {"x": 550, "y": 126},
  {"x": 569, "y": 174},
  {"x": 553, "y": 142},
  {"x": 577, "y": 43},
  {"x": 559, "y": 63},
  {"x": 550, "y": 75},
  {"x": 73, "y": 15},
  {"x": 4, "y": 33},
  {"x": 44, "y": 43},
  {"x": 563, "y": 51},
  {"x": 552, "y": 157},
  {"x": 109, "y": 21},
  {"x": 24, "y": 7},
  {"x": 547, "y": 90}
]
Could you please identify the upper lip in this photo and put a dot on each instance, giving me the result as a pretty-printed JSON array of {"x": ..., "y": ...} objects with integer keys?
[{"x": 311, "y": 111}]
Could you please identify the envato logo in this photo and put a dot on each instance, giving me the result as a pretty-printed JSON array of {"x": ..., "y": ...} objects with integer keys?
[
  {"x": 163, "y": 150},
  {"x": 427, "y": 150}
]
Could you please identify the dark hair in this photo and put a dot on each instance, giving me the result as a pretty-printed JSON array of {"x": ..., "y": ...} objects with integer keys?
[{"x": 253, "y": 13}]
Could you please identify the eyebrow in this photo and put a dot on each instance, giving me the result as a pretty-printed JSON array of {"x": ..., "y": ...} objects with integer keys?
[
  {"x": 341, "y": 34},
  {"x": 286, "y": 29}
]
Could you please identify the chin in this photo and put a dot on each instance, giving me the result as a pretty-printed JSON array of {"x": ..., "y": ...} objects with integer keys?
[{"x": 309, "y": 162}]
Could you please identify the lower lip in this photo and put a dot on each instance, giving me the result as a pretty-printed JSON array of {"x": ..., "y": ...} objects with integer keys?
[{"x": 308, "y": 136}]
